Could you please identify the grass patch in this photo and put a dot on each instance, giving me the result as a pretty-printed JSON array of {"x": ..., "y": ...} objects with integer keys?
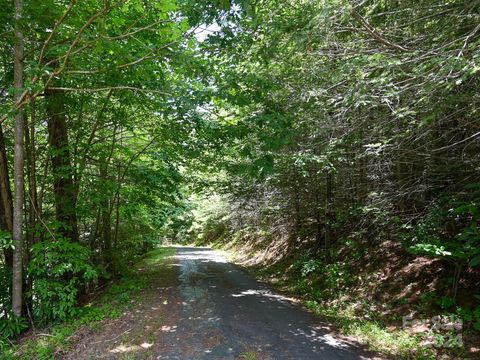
[
  {"x": 394, "y": 343},
  {"x": 249, "y": 355},
  {"x": 113, "y": 302}
]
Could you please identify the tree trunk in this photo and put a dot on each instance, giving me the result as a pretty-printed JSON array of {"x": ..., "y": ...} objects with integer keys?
[
  {"x": 117, "y": 220},
  {"x": 116, "y": 198},
  {"x": 61, "y": 167},
  {"x": 329, "y": 219},
  {"x": 318, "y": 218},
  {"x": 31, "y": 204},
  {"x": 298, "y": 219},
  {"x": 32, "y": 177},
  {"x": 106, "y": 233},
  {"x": 6, "y": 204},
  {"x": 107, "y": 206},
  {"x": 17, "y": 235}
]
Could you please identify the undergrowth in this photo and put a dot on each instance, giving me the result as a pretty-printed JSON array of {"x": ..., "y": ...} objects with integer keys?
[
  {"x": 394, "y": 343},
  {"x": 324, "y": 289},
  {"x": 111, "y": 304}
]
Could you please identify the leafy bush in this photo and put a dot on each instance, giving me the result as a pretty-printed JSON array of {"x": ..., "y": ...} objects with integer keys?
[
  {"x": 5, "y": 291},
  {"x": 311, "y": 266},
  {"x": 58, "y": 268},
  {"x": 5, "y": 240},
  {"x": 11, "y": 326},
  {"x": 451, "y": 231},
  {"x": 320, "y": 280},
  {"x": 470, "y": 316},
  {"x": 445, "y": 302}
]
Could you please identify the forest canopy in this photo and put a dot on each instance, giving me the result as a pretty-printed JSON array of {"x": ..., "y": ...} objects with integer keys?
[{"x": 333, "y": 130}]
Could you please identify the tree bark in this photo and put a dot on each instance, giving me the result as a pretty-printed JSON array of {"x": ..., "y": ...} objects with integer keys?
[
  {"x": 32, "y": 176},
  {"x": 32, "y": 202},
  {"x": 6, "y": 204},
  {"x": 17, "y": 235},
  {"x": 106, "y": 228},
  {"x": 61, "y": 166},
  {"x": 318, "y": 217},
  {"x": 329, "y": 218}
]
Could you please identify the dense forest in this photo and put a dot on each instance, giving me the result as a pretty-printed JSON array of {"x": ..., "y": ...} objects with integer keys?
[{"x": 332, "y": 144}]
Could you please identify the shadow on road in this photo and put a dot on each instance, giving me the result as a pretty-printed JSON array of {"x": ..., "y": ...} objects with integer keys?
[{"x": 226, "y": 314}]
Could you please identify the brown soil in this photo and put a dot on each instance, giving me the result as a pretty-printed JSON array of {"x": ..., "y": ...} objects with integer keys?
[{"x": 138, "y": 333}]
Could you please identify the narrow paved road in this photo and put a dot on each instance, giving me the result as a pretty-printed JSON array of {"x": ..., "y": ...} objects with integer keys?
[{"x": 227, "y": 314}]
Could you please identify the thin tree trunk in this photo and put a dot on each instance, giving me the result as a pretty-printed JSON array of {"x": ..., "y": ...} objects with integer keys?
[
  {"x": 31, "y": 202},
  {"x": 6, "y": 204},
  {"x": 106, "y": 227},
  {"x": 116, "y": 198},
  {"x": 94, "y": 232},
  {"x": 298, "y": 219},
  {"x": 318, "y": 216},
  {"x": 117, "y": 220},
  {"x": 328, "y": 214},
  {"x": 17, "y": 235},
  {"x": 32, "y": 177},
  {"x": 43, "y": 184},
  {"x": 107, "y": 206},
  {"x": 61, "y": 167}
]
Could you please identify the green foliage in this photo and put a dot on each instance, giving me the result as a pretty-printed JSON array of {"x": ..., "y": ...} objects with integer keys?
[
  {"x": 59, "y": 268},
  {"x": 12, "y": 326},
  {"x": 204, "y": 222},
  {"x": 111, "y": 305},
  {"x": 249, "y": 355},
  {"x": 5, "y": 240},
  {"x": 450, "y": 231},
  {"x": 5, "y": 290},
  {"x": 309, "y": 266},
  {"x": 320, "y": 280},
  {"x": 445, "y": 302},
  {"x": 470, "y": 316},
  {"x": 396, "y": 343},
  {"x": 312, "y": 121}
]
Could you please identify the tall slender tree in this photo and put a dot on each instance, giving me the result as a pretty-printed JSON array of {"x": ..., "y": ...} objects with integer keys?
[
  {"x": 62, "y": 170},
  {"x": 17, "y": 281},
  {"x": 6, "y": 209}
]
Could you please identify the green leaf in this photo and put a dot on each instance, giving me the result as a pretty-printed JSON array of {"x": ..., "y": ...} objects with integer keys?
[{"x": 475, "y": 261}]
